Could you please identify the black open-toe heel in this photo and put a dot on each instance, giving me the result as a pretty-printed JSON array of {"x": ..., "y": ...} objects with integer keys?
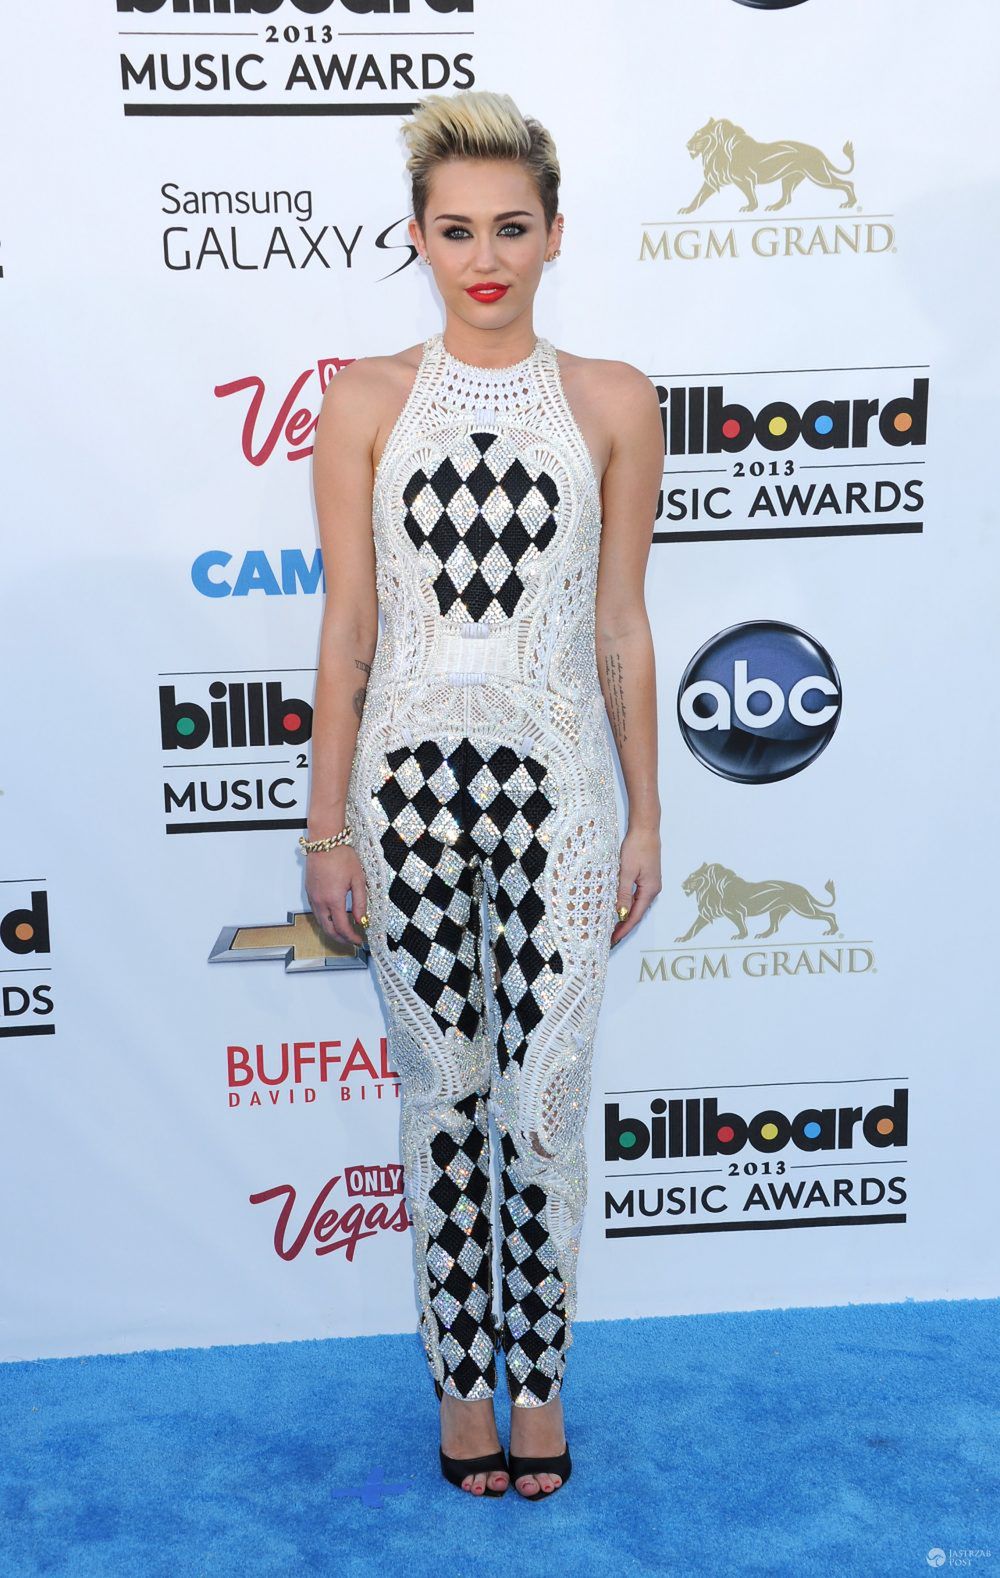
[
  {"x": 455, "y": 1469},
  {"x": 519, "y": 1466}
]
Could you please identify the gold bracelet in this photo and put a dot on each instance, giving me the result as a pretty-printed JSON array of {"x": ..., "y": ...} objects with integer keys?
[{"x": 332, "y": 841}]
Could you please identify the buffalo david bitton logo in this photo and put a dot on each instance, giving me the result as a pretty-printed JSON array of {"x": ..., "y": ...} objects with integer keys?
[
  {"x": 731, "y": 157},
  {"x": 723, "y": 895}
]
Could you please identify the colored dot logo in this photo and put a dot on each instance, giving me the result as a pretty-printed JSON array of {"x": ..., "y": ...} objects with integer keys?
[
  {"x": 25, "y": 929},
  {"x": 238, "y": 714}
]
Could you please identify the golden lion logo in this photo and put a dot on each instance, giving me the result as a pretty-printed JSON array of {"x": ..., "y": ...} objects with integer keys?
[
  {"x": 720, "y": 892},
  {"x": 730, "y": 158}
]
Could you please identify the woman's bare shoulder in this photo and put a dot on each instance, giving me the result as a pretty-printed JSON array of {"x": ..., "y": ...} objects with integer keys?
[
  {"x": 601, "y": 376},
  {"x": 382, "y": 372},
  {"x": 606, "y": 397},
  {"x": 373, "y": 390}
]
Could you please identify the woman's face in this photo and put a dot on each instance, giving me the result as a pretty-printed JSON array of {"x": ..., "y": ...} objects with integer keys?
[{"x": 484, "y": 224}]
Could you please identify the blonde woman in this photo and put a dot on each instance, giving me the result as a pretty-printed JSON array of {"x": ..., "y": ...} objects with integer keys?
[{"x": 493, "y": 498}]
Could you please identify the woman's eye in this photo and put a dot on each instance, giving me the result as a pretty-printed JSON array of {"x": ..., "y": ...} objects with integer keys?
[{"x": 460, "y": 231}]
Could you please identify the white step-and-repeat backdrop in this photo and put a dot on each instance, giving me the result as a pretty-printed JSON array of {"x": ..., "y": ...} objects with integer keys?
[{"x": 786, "y": 215}]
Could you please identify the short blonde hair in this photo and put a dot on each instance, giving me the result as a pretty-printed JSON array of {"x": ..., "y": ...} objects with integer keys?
[{"x": 476, "y": 124}]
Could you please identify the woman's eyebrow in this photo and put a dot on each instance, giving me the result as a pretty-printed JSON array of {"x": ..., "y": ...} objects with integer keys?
[{"x": 514, "y": 213}]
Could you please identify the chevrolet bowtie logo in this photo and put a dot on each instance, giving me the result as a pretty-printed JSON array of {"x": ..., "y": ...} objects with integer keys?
[{"x": 299, "y": 941}]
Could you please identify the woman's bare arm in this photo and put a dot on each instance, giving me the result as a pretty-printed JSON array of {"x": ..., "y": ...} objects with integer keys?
[
  {"x": 629, "y": 492},
  {"x": 342, "y": 485}
]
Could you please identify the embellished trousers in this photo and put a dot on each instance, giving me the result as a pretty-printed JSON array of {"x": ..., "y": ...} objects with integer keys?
[{"x": 452, "y": 827}]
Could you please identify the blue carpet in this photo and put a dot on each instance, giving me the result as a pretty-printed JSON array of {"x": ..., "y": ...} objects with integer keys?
[{"x": 848, "y": 1441}]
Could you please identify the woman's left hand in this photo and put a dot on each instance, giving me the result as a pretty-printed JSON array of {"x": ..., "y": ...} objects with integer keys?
[{"x": 638, "y": 879}]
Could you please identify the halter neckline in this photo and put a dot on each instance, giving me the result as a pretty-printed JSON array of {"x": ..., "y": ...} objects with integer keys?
[{"x": 487, "y": 374}]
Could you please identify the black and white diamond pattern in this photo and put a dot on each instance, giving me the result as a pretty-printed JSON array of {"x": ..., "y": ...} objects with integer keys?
[
  {"x": 433, "y": 916},
  {"x": 460, "y": 1253},
  {"x": 477, "y": 518},
  {"x": 454, "y": 815},
  {"x": 446, "y": 815},
  {"x": 532, "y": 1292}
]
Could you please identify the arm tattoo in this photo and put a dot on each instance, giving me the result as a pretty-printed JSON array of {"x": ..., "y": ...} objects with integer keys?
[
  {"x": 358, "y": 699},
  {"x": 616, "y": 697}
]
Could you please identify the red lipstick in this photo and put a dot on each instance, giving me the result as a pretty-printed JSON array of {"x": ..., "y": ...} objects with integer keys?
[{"x": 487, "y": 292}]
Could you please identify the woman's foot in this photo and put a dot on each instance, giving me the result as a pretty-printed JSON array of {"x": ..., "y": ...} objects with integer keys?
[
  {"x": 469, "y": 1429},
  {"x": 538, "y": 1432}
]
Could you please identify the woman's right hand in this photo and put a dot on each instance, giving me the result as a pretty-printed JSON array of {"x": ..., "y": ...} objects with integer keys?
[{"x": 332, "y": 874}]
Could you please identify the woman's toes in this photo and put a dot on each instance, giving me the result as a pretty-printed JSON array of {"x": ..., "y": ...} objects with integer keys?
[
  {"x": 498, "y": 1480},
  {"x": 527, "y": 1484}
]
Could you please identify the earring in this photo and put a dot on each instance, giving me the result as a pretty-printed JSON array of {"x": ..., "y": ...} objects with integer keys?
[{"x": 558, "y": 249}]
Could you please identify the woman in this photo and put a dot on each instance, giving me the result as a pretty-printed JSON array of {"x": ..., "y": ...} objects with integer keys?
[{"x": 460, "y": 487}]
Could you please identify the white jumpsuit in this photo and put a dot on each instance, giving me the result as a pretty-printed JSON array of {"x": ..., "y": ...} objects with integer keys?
[{"x": 483, "y": 765}]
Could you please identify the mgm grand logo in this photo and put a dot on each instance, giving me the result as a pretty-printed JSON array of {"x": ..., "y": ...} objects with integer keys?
[
  {"x": 731, "y": 158},
  {"x": 723, "y": 897}
]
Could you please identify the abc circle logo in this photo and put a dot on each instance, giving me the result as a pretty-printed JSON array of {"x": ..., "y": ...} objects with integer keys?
[{"x": 759, "y": 701}]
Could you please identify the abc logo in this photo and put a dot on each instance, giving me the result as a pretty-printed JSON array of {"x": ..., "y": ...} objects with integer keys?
[{"x": 759, "y": 701}]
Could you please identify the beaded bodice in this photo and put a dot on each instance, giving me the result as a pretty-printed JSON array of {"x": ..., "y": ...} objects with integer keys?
[{"x": 487, "y": 521}]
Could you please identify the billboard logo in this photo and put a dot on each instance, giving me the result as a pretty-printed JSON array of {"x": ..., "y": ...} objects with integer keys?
[
  {"x": 209, "y": 785},
  {"x": 26, "y": 1008}
]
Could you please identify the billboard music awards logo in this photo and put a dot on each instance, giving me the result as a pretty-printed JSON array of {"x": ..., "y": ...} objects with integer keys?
[
  {"x": 372, "y": 1202},
  {"x": 290, "y": 57},
  {"x": 270, "y": 230},
  {"x": 300, "y": 1071},
  {"x": 753, "y": 448},
  {"x": 210, "y": 723},
  {"x": 760, "y": 1157},
  {"x": 734, "y": 164},
  {"x": 26, "y": 1005}
]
